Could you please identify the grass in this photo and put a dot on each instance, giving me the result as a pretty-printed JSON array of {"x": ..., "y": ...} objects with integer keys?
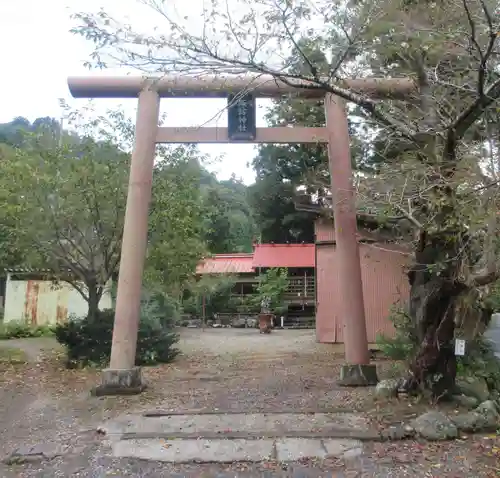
[
  {"x": 21, "y": 329},
  {"x": 11, "y": 355}
]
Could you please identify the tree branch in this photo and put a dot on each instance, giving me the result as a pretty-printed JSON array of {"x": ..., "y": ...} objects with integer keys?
[{"x": 470, "y": 115}]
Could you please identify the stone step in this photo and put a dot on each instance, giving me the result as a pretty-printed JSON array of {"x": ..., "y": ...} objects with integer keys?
[
  {"x": 238, "y": 450},
  {"x": 239, "y": 425}
]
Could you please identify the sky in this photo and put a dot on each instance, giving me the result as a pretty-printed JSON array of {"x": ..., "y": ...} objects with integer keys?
[{"x": 39, "y": 53}]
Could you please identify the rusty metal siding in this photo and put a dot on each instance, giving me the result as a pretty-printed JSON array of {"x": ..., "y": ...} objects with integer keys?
[
  {"x": 42, "y": 302},
  {"x": 328, "y": 316},
  {"x": 384, "y": 283}
]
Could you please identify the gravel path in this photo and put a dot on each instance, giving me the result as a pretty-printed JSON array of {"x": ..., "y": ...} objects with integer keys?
[
  {"x": 224, "y": 370},
  {"x": 33, "y": 348}
]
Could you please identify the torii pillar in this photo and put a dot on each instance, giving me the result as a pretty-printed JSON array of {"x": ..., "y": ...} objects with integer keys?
[
  {"x": 357, "y": 371},
  {"x": 122, "y": 376}
]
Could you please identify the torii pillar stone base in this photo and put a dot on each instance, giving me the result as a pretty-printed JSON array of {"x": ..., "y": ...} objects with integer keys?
[
  {"x": 120, "y": 382},
  {"x": 358, "y": 375}
]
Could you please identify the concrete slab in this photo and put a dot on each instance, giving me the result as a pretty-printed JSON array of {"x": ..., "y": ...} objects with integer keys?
[
  {"x": 268, "y": 424},
  {"x": 185, "y": 451},
  {"x": 293, "y": 449},
  {"x": 225, "y": 451},
  {"x": 343, "y": 448}
]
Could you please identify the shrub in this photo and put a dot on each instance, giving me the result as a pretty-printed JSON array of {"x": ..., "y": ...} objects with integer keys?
[
  {"x": 88, "y": 342},
  {"x": 272, "y": 287},
  {"x": 480, "y": 361},
  {"x": 165, "y": 308},
  {"x": 210, "y": 296},
  {"x": 21, "y": 329},
  {"x": 404, "y": 343}
]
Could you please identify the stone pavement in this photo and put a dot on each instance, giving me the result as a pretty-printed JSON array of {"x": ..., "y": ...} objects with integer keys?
[
  {"x": 232, "y": 450},
  {"x": 227, "y": 438}
]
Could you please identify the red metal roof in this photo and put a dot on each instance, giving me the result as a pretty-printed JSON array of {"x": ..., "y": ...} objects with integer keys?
[
  {"x": 226, "y": 264},
  {"x": 284, "y": 255},
  {"x": 264, "y": 255}
]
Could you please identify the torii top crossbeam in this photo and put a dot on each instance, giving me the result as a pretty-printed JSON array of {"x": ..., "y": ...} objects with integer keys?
[{"x": 219, "y": 86}]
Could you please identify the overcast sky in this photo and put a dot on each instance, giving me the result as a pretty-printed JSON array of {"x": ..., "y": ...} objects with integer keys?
[{"x": 38, "y": 54}]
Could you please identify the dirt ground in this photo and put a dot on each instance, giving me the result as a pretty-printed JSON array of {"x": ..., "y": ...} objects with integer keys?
[{"x": 219, "y": 370}]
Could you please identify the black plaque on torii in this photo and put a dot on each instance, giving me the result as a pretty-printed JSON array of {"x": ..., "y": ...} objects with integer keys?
[{"x": 241, "y": 117}]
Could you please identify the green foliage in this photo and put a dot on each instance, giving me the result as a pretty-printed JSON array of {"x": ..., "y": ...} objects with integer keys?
[
  {"x": 272, "y": 286},
  {"x": 229, "y": 224},
  {"x": 21, "y": 329},
  {"x": 247, "y": 304},
  {"x": 212, "y": 293},
  {"x": 88, "y": 342},
  {"x": 273, "y": 201},
  {"x": 492, "y": 298},
  {"x": 298, "y": 173},
  {"x": 64, "y": 198},
  {"x": 64, "y": 205},
  {"x": 18, "y": 131},
  {"x": 162, "y": 306},
  {"x": 480, "y": 361},
  {"x": 175, "y": 225},
  {"x": 11, "y": 251},
  {"x": 403, "y": 344}
]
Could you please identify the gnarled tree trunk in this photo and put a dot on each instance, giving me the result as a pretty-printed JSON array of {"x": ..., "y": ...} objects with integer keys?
[{"x": 435, "y": 289}]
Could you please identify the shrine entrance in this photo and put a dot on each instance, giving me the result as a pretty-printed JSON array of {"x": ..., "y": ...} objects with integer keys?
[{"x": 123, "y": 377}]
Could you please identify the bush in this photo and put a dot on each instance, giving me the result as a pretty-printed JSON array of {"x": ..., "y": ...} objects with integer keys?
[
  {"x": 165, "y": 308},
  {"x": 21, "y": 329},
  {"x": 480, "y": 361},
  {"x": 88, "y": 342},
  {"x": 404, "y": 343}
]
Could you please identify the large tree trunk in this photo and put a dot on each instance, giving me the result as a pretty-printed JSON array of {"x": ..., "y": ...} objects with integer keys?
[
  {"x": 433, "y": 297},
  {"x": 94, "y": 298}
]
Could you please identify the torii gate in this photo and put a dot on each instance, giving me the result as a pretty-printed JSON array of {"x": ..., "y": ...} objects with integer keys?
[{"x": 122, "y": 377}]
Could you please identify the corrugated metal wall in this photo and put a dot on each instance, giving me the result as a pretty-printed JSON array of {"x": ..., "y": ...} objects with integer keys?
[
  {"x": 323, "y": 230},
  {"x": 384, "y": 283},
  {"x": 41, "y": 302}
]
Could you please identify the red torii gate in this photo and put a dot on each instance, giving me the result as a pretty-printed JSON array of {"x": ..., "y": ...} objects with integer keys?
[{"x": 122, "y": 376}]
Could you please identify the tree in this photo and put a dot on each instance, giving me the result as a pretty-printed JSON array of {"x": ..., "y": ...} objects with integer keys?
[
  {"x": 17, "y": 132},
  {"x": 450, "y": 48},
  {"x": 176, "y": 218},
  {"x": 295, "y": 173},
  {"x": 229, "y": 220},
  {"x": 271, "y": 287},
  {"x": 11, "y": 253},
  {"x": 210, "y": 295},
  {"x": 273, "y": 201},
  {"x": 65, "y": 207}
]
